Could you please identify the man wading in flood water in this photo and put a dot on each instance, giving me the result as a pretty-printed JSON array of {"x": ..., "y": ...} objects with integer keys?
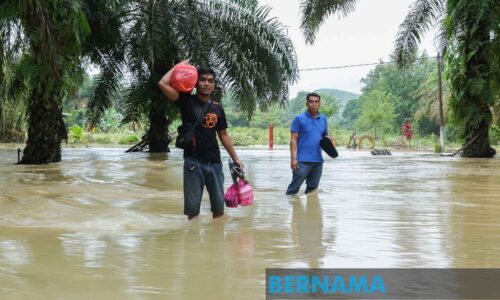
[
  {"x": 202, "y": 162},
  {"x": 306, "y": 160}
]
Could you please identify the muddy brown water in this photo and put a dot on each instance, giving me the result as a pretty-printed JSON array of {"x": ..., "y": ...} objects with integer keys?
[{"x": 103, "y": 224}]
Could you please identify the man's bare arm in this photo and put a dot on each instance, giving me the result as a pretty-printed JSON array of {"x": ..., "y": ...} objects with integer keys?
[
  {"x": 293, "y": 151},
  {"x": 333, "y": 140},
  {"x": 228, "y": 144},
  {"x": 165, "y": 86}
]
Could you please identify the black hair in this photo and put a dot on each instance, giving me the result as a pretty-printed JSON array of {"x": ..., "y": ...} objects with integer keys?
[
  {"x": 313, "y": 95},
  {"x": 203, "y": 71}
]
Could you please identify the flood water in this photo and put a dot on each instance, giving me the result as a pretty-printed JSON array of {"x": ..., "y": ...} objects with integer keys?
[{"x": 103, "y": 224}]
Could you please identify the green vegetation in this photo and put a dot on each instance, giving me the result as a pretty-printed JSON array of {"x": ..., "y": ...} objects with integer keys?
[
  {"x": 470, "y": 39},
  {"x": 43, "y": 44},
  {"x": 374, "y": 113},
  {"x": 282, "y": 115},
  {"x": 377, "y": 112},
  {"x": 129, "y": 139},
  {"x": 390, "y": 96},
  {"x": 75, "y": 134},
  {"x": 253, "y": 57},
  {"x": 249, "y": 136},
  {"x": 437, "y": 148},
  {"x": 45, "y": 47}
]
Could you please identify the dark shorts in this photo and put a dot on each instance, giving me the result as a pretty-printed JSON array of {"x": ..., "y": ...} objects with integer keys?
[{"x": 197, "y": 175}]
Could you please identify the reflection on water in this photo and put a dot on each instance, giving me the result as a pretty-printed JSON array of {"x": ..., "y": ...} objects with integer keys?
[
  {"x": 307, "y": 230},
  {"x": 103, "y": 224},
  {"x": 14, "y": 253}
]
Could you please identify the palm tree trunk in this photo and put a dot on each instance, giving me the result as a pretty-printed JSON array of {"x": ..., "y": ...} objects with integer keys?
[
  {"x": 478, "y": 69},
  {"x": 46, "y": 128},
  {"x": 480, "y": 146},
  {"x": 158, "y": 126}
]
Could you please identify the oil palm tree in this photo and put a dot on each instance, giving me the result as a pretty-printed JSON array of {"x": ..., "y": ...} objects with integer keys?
[
  {"x": 11, "y": 107},
  {"x": 45, "y": 41},
  {"x": 253, "y": 58},
  {"x": 470, "y": 34},
  {"x": 49, "y": 34},
  {"x": 315, "y": 12}
]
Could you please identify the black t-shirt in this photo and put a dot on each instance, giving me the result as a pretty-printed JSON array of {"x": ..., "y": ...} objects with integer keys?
[{"x": 207, "y": 148}]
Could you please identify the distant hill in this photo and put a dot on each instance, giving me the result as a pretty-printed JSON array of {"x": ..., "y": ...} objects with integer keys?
[{"x": 342, "y": 96}]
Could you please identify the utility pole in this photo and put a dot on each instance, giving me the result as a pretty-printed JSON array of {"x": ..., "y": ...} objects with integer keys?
[{"x": 441, "y": 113}]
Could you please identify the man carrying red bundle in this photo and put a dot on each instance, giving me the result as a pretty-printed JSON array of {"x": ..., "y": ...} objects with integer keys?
[{"x": 202, "y": 161}]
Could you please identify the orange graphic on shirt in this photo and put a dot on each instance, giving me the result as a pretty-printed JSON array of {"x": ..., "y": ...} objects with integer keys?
[{"x": 210, "y": 120}]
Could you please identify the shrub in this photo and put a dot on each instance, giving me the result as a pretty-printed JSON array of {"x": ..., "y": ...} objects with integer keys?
[
  {"x": 104, "y": 139},
  {"x": 75, "y": 134},
  {"x": 91, "y": 138},
  {"x": 241, "y": 139},
  {"x": 494, "y": 135},
  {"x": 129, "y": 139}
]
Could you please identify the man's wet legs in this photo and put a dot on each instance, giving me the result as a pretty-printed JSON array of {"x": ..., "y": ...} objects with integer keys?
[
  {"x": 298, "y": 178},
  {"x": 309, "y": 172},
  {"x": 312, "y": 181},
  {"x": 214, "y": 181},
  {"x": 197, "y": 175},
  {"x": 193, "y": 187}
]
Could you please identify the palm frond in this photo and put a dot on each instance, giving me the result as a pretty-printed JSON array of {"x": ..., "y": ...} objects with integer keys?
[
  {"x": 22, "y": 74},
  {"x": 105, "y": 20},
  {"x": 470, "y": 25},
  {"x": 13, "y": 41},
  {"x": 105, "y": 48},
  {"x": 315, "y": 12},
  {"x": 106, "y": 84},
  {"x": 428, "y": 96},
  {"x": 253, "y": 56},
  {"x": 423, "y": 14},
  {"x": 441, "y": 39},
  {"x": 135, "y": 103}
]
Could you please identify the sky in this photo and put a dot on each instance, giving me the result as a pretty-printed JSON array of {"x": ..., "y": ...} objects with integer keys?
[{"x": 365, "y": 36}]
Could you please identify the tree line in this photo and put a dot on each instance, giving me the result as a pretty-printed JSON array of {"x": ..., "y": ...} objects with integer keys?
[
  {"x": 469, "y": 38},
  {"x": 46, "y": 45}
]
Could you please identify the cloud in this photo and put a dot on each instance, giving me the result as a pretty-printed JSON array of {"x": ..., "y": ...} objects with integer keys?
[{"x": 365, "y": 36}]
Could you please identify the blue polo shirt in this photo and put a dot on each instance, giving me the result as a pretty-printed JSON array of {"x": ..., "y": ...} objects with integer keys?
[{"x": 310, "y": 131}]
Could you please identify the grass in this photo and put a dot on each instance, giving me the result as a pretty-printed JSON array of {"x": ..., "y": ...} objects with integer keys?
[{"x": 245, "y": 136}]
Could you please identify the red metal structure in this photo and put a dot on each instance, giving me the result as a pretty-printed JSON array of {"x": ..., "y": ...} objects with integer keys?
[{"x": 270, "y": 136}]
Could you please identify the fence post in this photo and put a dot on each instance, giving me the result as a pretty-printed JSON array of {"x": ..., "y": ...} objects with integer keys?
[{"x": 270, "y": 136}]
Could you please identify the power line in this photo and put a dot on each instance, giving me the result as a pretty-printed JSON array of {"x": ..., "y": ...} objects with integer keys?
[
  {"x": 341, "y": 67},
  {"x": 351, "y": 66}
]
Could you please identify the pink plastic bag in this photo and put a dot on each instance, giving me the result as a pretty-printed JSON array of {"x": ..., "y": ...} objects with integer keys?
[
  {"x": 231, "y": 196},
  {"x": 241, "y": 195},
  {"x": 184, "y": 78},
  {"x": 245, "y": 193}
]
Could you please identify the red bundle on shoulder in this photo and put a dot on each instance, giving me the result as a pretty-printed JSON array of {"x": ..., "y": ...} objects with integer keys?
[{"x": 184, "y": 78}]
